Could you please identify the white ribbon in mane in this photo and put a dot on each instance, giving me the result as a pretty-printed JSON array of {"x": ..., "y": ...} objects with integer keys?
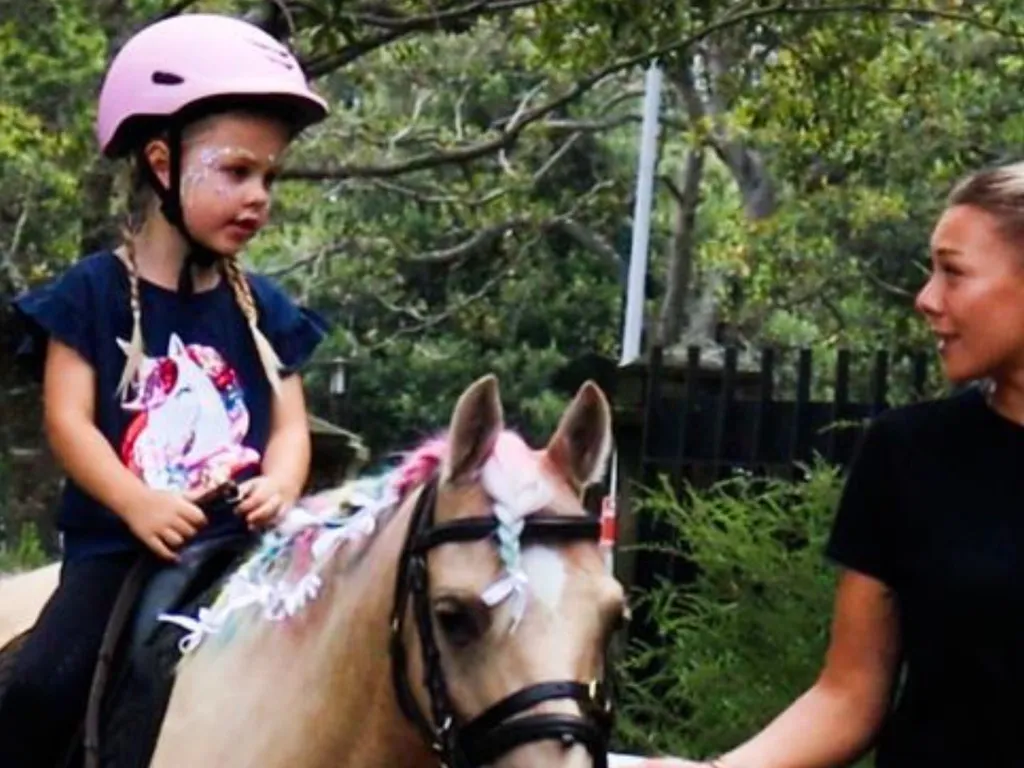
[{"x": 263, "y": 580}]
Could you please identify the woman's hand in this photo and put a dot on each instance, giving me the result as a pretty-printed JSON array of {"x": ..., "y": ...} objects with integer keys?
[
  {"x": 262, "y": 500},
  {"x": 631, "y": 761}
]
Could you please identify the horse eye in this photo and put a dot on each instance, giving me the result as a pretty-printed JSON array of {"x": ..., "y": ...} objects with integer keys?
[{"x": 458, "y": 621}]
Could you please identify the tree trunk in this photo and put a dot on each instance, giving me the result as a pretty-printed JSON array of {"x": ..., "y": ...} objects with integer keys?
[
  {"x": 745, "y": 163},
  {"x": 673, "y": 317},
  {"x": 689, "y": 308}
]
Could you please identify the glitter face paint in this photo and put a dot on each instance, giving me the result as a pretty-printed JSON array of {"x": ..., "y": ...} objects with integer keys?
[
  {"x": 211, "y": 166},
  {"x": 228, "y": 167}
]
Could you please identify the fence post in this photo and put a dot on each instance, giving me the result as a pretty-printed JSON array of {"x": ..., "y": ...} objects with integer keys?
[
  {"x": 766, "y": 391},
  {"x": 879, "y": 382},
  {"x": 803, "y": 397},
  {"x": 722, "y": 417},
  {"x": 839, "y": 400}
]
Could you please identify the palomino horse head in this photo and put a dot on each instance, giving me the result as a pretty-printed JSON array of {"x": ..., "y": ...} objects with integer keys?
[
  {"x": 455, "y": 612},
  {"x": 514, "y": 624}
]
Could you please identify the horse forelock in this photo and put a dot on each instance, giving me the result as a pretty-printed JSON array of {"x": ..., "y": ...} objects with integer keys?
[
  {"x": 513, "y": 477},
  {"x": 419, "y": 464}
]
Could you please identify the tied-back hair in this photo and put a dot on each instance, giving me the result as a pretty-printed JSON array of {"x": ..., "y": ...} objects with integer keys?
[
  {"x": 999, "y": 191},
  {"x": 140, "y": 198}
]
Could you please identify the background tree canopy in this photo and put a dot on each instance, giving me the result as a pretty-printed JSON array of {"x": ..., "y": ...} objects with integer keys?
[{"x": 467, "y": 208}]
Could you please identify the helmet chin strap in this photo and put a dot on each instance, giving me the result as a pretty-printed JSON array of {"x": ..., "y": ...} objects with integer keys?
[{"x": 170, "y": 205}]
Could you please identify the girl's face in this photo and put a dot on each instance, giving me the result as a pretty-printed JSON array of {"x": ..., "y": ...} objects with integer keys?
[
  {"x": 229, "y": 163},
  {"x": 974, "y": 298}
]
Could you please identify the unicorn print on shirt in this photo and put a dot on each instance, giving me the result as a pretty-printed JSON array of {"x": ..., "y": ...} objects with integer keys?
[{"x": 190, "y": 420}]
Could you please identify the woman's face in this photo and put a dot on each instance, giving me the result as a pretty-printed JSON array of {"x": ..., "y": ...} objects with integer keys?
[{"x": 974, "y": 299}]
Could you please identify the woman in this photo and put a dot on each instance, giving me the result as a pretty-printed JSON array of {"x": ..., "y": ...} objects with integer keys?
[{"x": 926, "y": 659}]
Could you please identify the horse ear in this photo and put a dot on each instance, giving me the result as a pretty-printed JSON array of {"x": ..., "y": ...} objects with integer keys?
[
  {"x": 581, "y": 445},
  {"x": 476, "y": 423}
]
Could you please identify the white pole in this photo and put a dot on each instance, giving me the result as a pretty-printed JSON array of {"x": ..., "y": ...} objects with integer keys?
[
  {"x": 634, "y": 320},
  {"x": 632, "y": 327}
]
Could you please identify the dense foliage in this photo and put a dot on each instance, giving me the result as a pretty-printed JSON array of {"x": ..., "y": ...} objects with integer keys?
[
  {"x": 468, "y": 207},
  {"x": 736, "y": 646}
]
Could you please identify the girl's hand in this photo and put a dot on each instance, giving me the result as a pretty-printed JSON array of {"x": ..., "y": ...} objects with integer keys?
[
  {"x": 163, "y": 521},
  {"x": 262, "y": 500}
]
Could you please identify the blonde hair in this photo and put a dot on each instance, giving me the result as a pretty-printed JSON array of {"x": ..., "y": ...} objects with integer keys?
[
  {"x": 139, "y": 197},
  {"x": 998, "y": 191}
]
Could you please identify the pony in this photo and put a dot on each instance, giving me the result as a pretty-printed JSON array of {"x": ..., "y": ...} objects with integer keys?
[
  {"x": 22, "y": 595},
  {"x": 455, "y": 611}
]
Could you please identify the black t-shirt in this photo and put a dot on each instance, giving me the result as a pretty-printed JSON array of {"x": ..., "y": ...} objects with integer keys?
[
  {"x": 934, "y": 507},
  {"x": 201, "y": 402}
]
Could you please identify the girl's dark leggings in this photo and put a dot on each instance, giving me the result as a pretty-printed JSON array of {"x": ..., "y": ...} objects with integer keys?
[{"x": 44, "y": 704}]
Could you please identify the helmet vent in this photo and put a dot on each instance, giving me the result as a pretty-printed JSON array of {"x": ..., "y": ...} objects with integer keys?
[{"x": 167, "y": 78}]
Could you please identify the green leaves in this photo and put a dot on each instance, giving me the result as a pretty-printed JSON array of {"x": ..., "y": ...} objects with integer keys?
[
  {"x": 432, "y": 225},
  {"x": 736, "y": 646}
]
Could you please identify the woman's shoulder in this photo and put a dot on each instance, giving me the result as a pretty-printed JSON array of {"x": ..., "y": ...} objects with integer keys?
[{"x": 937, "y": 418}]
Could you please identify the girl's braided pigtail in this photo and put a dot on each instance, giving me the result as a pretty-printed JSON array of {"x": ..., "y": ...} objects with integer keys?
[
  {"x": 243, "y": 296},
  {"x": 135, "y": 349}
]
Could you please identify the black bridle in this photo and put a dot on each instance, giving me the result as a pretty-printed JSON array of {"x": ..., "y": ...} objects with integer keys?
[{"x": 507, "y": 724}]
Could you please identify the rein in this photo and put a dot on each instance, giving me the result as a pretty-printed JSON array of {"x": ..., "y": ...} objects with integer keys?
[{"x": 507, "y": 724}]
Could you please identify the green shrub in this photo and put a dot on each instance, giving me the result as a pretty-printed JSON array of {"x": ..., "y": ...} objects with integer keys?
[
  {"x": 748, "y": 635},
  {"x": 23, "y": 551}
]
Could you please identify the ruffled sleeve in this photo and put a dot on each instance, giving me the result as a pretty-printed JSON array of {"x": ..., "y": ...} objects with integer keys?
[
  {"x": 293, "y": 331},
  {"x": 61, "y": 310}
]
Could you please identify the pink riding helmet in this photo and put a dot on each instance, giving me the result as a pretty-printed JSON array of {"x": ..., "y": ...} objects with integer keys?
[{"x": 184, "y": 60}]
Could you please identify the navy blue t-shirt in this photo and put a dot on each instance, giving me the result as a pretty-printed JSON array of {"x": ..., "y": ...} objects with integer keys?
[{"x": 200, "y": 406}]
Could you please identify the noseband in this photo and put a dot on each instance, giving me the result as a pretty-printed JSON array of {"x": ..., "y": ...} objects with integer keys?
[{"x": 507, "y": 724}]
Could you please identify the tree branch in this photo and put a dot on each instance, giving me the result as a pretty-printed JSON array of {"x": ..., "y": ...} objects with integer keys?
[
  {"x": 588, "y": 239},
  {"x": 596, "y": 126},
  {"x": 436, "y": 198},
  {"x": 176, "y": 9},
  {"x": 511, "y": 130},
  {"x": 479, "y": 240},
  {"x": 440, "y": 19},
  {"x": 325, "y": 252},
  {"x": 888, "y": 287},
  {"x": 430, "y": 322},
  {"x": 8, "y": 267},
  {"x": 402, "y": 26}
]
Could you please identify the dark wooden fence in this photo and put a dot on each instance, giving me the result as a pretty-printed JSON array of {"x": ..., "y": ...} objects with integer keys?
[
  {"x": 701, "y": 422},
  {"x": 696, "y": 421}
]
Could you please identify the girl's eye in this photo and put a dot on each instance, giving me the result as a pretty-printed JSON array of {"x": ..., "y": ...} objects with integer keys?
[{"x": 238, "y": 172}]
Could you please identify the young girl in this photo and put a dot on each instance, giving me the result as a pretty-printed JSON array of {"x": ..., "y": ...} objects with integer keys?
[{"x": 168, "y": 371}]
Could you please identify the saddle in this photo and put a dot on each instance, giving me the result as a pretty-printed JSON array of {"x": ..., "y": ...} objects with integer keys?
[{"x": 135, "y": 671}]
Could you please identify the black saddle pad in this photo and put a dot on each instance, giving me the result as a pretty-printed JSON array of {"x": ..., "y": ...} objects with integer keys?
[{"x": 136, "y": 698}]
